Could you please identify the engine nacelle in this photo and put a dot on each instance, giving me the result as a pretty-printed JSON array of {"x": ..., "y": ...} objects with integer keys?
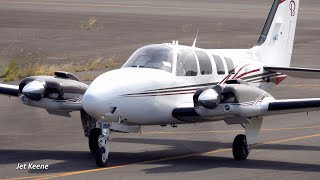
[
  {"x": 211, "y": 97},
  {"x": 54, "y": 93}
]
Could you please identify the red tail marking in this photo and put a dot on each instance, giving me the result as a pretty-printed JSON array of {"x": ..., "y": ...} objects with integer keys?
[{"x": 281, "y": 1}]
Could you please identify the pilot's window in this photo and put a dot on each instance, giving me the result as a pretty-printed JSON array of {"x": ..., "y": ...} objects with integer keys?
[
  {"x": 152, "y": 56},
  {"x": 204, "y": 62},
  {"x": 186, "y": 63},
  {"x": 219, "y": 64},
  {"x": 230, "y": 65}
]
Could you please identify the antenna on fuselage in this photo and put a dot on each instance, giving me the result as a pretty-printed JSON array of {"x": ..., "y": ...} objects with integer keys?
[{"x": 195, "y": 39}]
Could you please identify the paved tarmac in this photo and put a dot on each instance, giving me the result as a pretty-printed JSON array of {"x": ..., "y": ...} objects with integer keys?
[{"x": 288, "y": 146}]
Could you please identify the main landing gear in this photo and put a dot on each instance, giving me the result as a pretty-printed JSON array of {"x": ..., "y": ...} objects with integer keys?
[{"x": 241, "y": 146}]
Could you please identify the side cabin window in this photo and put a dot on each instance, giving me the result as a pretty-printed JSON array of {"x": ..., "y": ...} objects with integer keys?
[
  {"x": 204, "y": 62},
  {"x": 230, "y": 65},
  {"x": 219, "y": 64},
  {"x": 186, "y": 63}
]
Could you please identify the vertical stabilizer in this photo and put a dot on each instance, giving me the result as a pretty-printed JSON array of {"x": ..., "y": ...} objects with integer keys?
[{"x": 274, "y": 47}]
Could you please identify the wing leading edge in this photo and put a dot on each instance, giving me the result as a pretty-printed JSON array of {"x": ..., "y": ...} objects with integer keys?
[
  {"x": 9, "y": 90},
  {"x": 293, "y": 106}
]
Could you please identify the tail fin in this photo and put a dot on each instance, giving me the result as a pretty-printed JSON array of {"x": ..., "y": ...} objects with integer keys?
[{"x": 274, "y": 47}]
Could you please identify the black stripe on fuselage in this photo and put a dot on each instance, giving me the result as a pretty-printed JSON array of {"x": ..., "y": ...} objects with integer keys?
[
  {"x": 188, "y": 86},
  {"x": 174, "y": 89},
  {"x": 179, "y": 89}
]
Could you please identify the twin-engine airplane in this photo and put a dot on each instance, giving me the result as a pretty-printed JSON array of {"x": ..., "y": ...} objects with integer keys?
[{"x": 172, "y": 84}]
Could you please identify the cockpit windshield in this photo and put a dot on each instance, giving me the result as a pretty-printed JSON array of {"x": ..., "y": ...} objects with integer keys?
[{"x": 152, "y": 56}]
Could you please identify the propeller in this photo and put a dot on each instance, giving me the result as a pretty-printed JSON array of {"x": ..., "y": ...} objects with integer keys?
[
  {"x": 34, "y": 90},
  {"x": 209, "y": 98}
]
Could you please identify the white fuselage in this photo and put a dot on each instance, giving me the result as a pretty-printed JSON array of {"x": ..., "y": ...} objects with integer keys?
[{"x": 146, "y": 96}]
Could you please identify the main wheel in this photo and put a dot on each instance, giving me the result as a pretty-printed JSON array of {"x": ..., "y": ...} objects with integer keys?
[
  {"x": 240, "y": 148},
  {"x": 93, "y": 140},
  {"x": 101, "y": 161}
]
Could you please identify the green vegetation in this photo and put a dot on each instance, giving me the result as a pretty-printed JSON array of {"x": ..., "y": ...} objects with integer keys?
[
  {"x": 13, "y": 71},
  {"x": 10, "y": 71}
]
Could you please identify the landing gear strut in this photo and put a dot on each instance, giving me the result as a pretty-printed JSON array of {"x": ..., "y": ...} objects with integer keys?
[
  {"x": 240, "y": 147},
  {"x": 102, "y": 154}
]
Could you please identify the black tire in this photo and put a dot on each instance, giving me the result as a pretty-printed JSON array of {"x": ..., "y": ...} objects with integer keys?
[
  {"x": 100, "y": 161},
  {"x": 240, "y": 148},
  {"x": 93, "y": 140}
]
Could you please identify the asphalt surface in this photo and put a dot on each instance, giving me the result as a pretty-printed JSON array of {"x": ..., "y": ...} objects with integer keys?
[{"x": 288, "y": 146}]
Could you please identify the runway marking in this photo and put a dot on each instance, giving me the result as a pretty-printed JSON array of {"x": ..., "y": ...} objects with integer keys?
[
  {"x": 292, "y": 139},
  {"x": 192, "y": 132},
  {"x": 141, "y": 6},
  {"x": 127, "y": 6},
  {"x": 228, "y": 131},
  {"x": 157, "y": 160}
]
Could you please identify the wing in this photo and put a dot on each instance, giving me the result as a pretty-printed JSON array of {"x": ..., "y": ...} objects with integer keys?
[
  {"x": 238, "y": 103},
  {"x": 9, "y": 90},
  {"x": 293, "y": 106},
  {"x": 304, "y": 73},
  {"x": 235, "y": 113},
  {"x": 59, "y": 95}
]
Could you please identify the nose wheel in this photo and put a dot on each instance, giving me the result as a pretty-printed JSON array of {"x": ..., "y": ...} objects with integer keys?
[
  {"x": 102, "y": 153},
  {"x": 93, "y": 140}
]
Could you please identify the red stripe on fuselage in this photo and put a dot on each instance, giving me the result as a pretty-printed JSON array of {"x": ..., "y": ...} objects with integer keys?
[
  {"x": 246, "y": 73},
  {"x": 240, "y": 70},
  {"x": 224, "y": 79}
]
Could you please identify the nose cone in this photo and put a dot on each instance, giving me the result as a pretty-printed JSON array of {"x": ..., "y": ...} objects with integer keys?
[
  {"x": 209, "y": 99},
  {"x": 34, "y": 90},
  {"x": 89, "y": 104},
  {"x": 99, "y": 99},
  {"x": 98, "y": 105}
]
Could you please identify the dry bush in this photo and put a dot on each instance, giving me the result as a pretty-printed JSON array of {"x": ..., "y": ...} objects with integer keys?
[
  {"x": 91, "y": 23},
  {"x": 13, "y": 71},
  {"x": 87, "y": 77}
]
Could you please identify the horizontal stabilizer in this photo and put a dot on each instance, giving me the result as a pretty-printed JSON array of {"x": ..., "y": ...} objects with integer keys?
[
  {"x": 304, "y": 73},
  {"x": 10, "y": 90}
]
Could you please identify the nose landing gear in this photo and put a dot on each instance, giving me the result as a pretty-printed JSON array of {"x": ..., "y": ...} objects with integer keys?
[
  {"x": 93, "y": 140},
  {"x": 102, "y": 154}
]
